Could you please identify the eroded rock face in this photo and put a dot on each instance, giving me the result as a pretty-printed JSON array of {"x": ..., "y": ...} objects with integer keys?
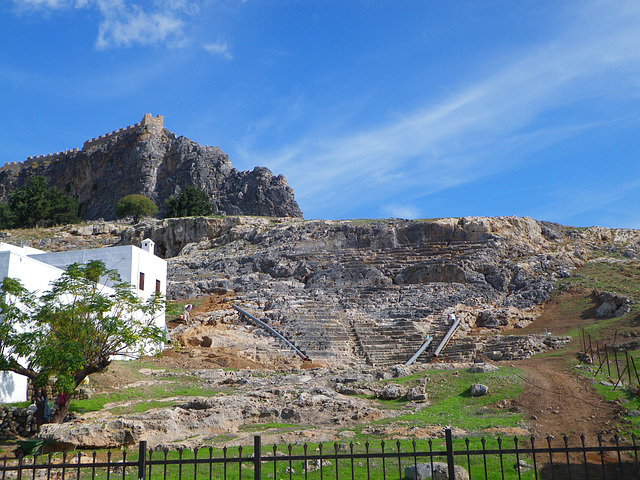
[
  {"x": 152, "y": 161},
  {"x": 202, "y": 417},
  {"x": 353, "y": 291},
  {"x": 373, "y": 290}
]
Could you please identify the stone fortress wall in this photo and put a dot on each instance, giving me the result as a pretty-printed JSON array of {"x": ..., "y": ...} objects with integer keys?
[{"x": 147, "y": 119}]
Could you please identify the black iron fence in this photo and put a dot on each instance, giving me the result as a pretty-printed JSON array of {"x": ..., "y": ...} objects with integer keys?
[{"x": 479, "y": 458}]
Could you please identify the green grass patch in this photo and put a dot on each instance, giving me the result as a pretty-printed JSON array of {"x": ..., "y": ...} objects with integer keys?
[
  {"x": 141, "y": 407},
  {"x": 240, "y": 460},
  {"x": 259, "y": 427},
  {"x": 17, "y": 404},
  {"x": 142, "y": 398},
  {"x": 174, "y": 307},
  {"x": 144, "y": 391},
  {"x": 605, "y": 382},
  {"x": 451, "y": 403},
  {"x": 620, "y": 277}
]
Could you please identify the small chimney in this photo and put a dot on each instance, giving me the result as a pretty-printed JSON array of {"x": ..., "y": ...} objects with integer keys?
[{"x": 148, "y": 245}]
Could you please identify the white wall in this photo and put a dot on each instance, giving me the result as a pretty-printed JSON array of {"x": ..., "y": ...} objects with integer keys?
[
  {"x": 35, "y": 276},
  {"x": 13, "y": 387},
  {"x": 129, "y": 260},
  {"x": 19, "y": 250},
  {"x": 37, "y": 269}
]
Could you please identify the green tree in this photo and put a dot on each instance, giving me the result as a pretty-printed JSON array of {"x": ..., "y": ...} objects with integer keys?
[
  {"x": 6, "y": 218},
  {"x": 36, "y": 204},
  {"x": 63, "y": 208},
  {"x": 136, "y": 206},
  {"x": 190, "y": 202},
  {"x": 74, "y": 329}
]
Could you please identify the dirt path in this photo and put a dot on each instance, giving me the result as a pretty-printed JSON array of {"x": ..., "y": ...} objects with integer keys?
[{"x": 557, "y": 402}]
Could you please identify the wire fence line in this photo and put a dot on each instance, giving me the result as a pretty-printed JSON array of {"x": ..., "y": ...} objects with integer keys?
[{"x": 612, "y": 361}]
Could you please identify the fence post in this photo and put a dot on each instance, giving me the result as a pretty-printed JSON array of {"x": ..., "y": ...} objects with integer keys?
[
  {"x": 142, "y": 459},
  {"x": 257, "y": 458},
  {"x": 451, "y": 466}
]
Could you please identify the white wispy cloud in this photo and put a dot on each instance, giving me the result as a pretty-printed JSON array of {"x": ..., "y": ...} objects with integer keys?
[
  {"x": 474, "y": 132},
  {"x": 124, "y": 24},
  {"x": 574, "y": 201},
  {"x": 36, "y": 4},
  {"x": 219, "y": 48}
]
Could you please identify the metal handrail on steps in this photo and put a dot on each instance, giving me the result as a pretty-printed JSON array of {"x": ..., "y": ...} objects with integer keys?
[
  {"x": 273, "y": 332},
  {"x": 447, "y": 337},
  {"x": 420, "y": 350}
]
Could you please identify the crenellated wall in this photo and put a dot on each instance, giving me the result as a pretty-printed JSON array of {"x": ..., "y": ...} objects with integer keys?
[
  {"x": 147, "y": 119},
  {"x": 37, "y": 159}
]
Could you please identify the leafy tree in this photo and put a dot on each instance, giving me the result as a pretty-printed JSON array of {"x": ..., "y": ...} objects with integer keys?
[
  {"x": 74, "y": 329},
  {"x": 136, "y": 206},
  {"x": 37, "y": 204},
  {"x": 63, "y": 208},
  {"x": 6, "y": 218},
  {"x": 190, "y": 202}
]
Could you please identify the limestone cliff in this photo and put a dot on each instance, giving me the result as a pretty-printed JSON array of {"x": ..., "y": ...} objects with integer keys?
[
  {"x": 373, "y": 290},
  {"x": 150, "y": 160},
  {"x": 352, "y": 291}
]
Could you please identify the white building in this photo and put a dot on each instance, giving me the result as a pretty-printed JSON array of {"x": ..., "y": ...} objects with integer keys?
[{"x": 36, "y": 269}]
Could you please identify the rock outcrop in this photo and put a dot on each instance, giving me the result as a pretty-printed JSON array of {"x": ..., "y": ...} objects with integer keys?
[
  {"x": 17, "y": 422},
  {"x": 371, "y": 291},
  {"x": 291, "y": 399},
  {"x": 374, "y": 290},
  {"x": 150, "y": 160},
  {"x": 347, "y": 293}
]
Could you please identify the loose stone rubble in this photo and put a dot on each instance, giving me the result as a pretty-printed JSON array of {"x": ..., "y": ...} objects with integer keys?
[
  {"x": 362, "y": 296},
  {"x": 17, "y": 422}
]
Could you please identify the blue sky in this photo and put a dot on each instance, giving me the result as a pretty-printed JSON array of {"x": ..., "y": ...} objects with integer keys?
[{"x": 370, "y": 109}]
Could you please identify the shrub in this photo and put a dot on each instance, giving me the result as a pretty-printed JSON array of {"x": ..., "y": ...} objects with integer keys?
[
  {"x": 190, "y": 202},
  {"x": 36, "y": 204},
  {"x": 136, "y": 206}
]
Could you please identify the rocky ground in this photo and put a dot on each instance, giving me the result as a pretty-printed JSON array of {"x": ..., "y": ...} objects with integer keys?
[
  {"x": 359, "y": 298},
  {"x": 257, "y": 384}
]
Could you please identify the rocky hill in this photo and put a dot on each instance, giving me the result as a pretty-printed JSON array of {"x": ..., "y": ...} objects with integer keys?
[
  {"x": 371, "y": 291},
  {"x": 359, "y": 297},
  {"x": 148, "y": 159}
]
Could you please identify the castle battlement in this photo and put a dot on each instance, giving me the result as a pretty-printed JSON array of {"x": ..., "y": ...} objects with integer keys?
[
  {"x": 147, "y": 119},
  {"x": 156, "y": 122}
]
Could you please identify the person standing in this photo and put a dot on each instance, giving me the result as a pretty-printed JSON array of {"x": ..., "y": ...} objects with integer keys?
[{"x": 40, "y": 400}]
